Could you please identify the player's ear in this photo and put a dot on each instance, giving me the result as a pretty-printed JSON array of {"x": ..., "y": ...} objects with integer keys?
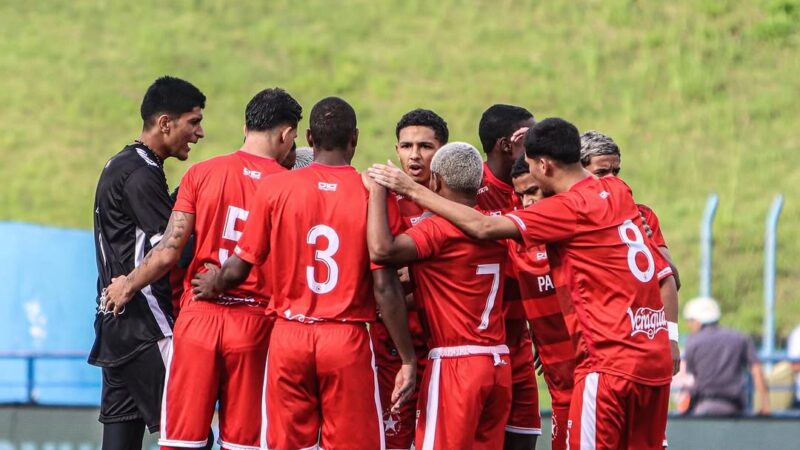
[
  {"x": 309, "y": 138},
  {"x": 286, "y": 134},
  {"x": 164, "y": 123},
  {"x": 434, "y": 183},
  {"x": 503, "y": 144}
]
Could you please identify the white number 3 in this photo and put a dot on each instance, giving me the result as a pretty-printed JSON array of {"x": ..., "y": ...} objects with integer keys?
[
  {"x": 635, "y": 246},
  {"x": 325, "y": 257}
]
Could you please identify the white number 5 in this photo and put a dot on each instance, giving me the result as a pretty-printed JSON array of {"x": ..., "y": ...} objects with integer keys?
[
  {"x": 494, "y": 271},
  {"x": 637, "y": 245},
  {"x": 325, "y": 257}
]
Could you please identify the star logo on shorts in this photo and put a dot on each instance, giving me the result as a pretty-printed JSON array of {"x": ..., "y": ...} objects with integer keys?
[{"x": 391, "y": 423}]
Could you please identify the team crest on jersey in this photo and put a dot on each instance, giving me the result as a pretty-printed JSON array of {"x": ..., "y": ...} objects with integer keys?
[
  {"x": 391, "y": 423},
  {"x": 254, "y": 174},
  {"x": 604, "y": 195},
  {"x": 483, "y": 190},
  {"x": 496, "y": 213},
  {"x": 648, "y": 321},
  {"x": 330, "y": 187}
]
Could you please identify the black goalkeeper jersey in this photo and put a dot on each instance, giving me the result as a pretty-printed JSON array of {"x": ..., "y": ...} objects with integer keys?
[{"x": 131, "y": 210}]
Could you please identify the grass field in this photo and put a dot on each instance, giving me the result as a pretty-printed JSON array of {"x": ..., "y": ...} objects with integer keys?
[{"x": 702, "y": 97}]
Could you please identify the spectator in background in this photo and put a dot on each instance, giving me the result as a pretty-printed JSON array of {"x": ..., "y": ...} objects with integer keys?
[
  {"x": 718, "y": 358},
  {"x": 793, "y": 351}
]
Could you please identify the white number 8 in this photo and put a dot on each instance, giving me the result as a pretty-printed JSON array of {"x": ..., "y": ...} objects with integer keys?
[
  {"x": 635, "y": 246},
  {"x": 325, "y": 257}
]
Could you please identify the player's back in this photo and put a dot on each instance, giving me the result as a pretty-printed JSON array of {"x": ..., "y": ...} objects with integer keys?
[
  {"x": 219, "y": 192},
  {"x": 612, "y": 274},
  {"x": 317, "y": 218},
  {"x": 459, "y": 285}
]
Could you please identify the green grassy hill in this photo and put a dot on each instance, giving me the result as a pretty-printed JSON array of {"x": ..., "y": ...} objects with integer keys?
[{"x": 702, "y": 97}]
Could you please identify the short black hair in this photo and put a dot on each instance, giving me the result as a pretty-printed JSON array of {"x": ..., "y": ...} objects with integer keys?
[
  {"x": 520, "y": 167},
  {"x": 554, "y": 138},
  {"x": 332, "y": 123},
  {"x": 171, "y": 96},
  {"x": 270, "y": 108},
  {"x": 500, "y": 121},
  {"x": 424, "y": 118}
]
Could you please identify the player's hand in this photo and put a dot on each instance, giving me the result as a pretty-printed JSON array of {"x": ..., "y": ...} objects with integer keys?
[
  {"x": 404, "y": 385},
  {"x": 676, "y": 357},
  {"x": 392, "y": 177},
  {"x": 205, "y": 283},
  {"x": 537, "y": 363},
  {"x": 519, "y": 135},
  {"x": 402, "y": 274},
  {"x": 118, "y": 294}
]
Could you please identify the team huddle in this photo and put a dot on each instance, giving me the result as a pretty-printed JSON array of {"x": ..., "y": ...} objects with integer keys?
[{"x": 402, "y": 307}]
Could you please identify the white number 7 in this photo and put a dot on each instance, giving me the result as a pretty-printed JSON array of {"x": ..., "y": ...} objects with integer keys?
[{"x": 494, "y": 271}]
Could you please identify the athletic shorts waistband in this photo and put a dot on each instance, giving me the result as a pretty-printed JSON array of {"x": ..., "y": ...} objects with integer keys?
[{"x": 469, "y": 350}]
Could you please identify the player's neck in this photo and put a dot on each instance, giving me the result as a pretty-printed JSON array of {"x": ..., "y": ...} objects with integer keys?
[
  {"x": 154, "y": 143},
  {"x": 499, "y": 166},
  {"x": 331, "y": 157},
  {"x": 468, "y": 199},
  {"x": 568, "y": 178},
  {"x": 259, "y": 145}
]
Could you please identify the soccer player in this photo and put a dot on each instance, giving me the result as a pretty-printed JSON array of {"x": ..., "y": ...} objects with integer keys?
[
  {"x": 466, "y": 393},
  {"x": 311, "y": 224},
  {"x": 611, "y": 272},
  {"x": 420, "y": 133},
  {"x": 220, "y": 346},
  {"x": 547, "y": 309},
  {"x": 496, "y": 195},
  {"x": 131, "y": 211},
  {"x": 600, "y": 155}
]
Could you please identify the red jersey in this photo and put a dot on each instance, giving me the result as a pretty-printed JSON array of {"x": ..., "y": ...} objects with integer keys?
[
  {"x": 497, "y": 197},
  {"x": 459, "y": 285},
  {"x": 219, "y": 192},
  {"x": 548, "y": 317},
  {"x": 410, "y": 212},
  {"x": 611, "y": 272},
  {"x": 652, "y": 221},
  {"x": 312, "y": 224}
]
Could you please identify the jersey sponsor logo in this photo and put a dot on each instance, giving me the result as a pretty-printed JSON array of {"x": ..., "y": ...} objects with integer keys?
[
  {"x": 604, "y": 195},
  {"x": 648, "y": 321},
  {"x": 416, "y": 220},
  {"x": 483, "y": 190},
  {"x": 541, "y": 256},
  {"x": 330, "y": 187},
  {"x": 496, "y": 213},
  {"x": 143, "y": 154},
  {"x": 545, "y": 284},
  {"x": 254, "y": 174}
]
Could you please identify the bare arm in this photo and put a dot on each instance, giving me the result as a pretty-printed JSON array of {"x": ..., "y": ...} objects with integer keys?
[
  {"x": 159, "y": 260},
  {"x": 391, "y": 302},
  {"x": 761, "y": 387},
  {"x": 214, "y": 281},
  {"x": 666, "y": 254},
  {"x": 470, "y": 221},
  {"x": 669, "y": 296},
  {"x": 383, "y": 247}
]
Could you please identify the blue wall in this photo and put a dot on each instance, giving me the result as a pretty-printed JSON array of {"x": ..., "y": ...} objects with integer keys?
[{"x": 47, "y": 304}]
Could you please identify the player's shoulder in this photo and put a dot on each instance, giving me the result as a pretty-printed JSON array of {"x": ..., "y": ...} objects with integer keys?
[{"x": 131, "y": 158}]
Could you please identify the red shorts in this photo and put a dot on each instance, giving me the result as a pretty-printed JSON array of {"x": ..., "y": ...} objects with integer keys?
[
  {"x": 321, "y": 388},
  {"x": 558, "y": 436},
  {"x": 524, "y": 417},
  {"x": 610, "y": 412},
  {"x": 398, "y": 427},
  {"x": 464, "y": 403},
  {"x": 219, "y": 353}
]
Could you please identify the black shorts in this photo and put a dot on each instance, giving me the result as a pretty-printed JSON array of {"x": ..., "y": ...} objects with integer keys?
[{"x": 133, "y": 391}]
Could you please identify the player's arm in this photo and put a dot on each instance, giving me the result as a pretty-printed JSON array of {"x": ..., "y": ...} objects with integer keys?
[
  {"x": 469, "y": 220},
  {"x": 159, "y": 260},
  {"x": 391, "y": 302},
  {"x": 384, "y": 248},
  {"x": 215, "y": 280},
  {"x": 666, "y": 254},
  {"x": 669, "y": 296}
]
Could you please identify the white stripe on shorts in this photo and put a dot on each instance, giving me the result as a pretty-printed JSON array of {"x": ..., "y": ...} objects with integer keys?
[
  {"x": 263, "y": 433},
  {"x": 165, "y": 347},
  {"x": 432, "y": 408},
  {"x": 377, "y": 394},
  {"x": 589, "y": 412}
]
